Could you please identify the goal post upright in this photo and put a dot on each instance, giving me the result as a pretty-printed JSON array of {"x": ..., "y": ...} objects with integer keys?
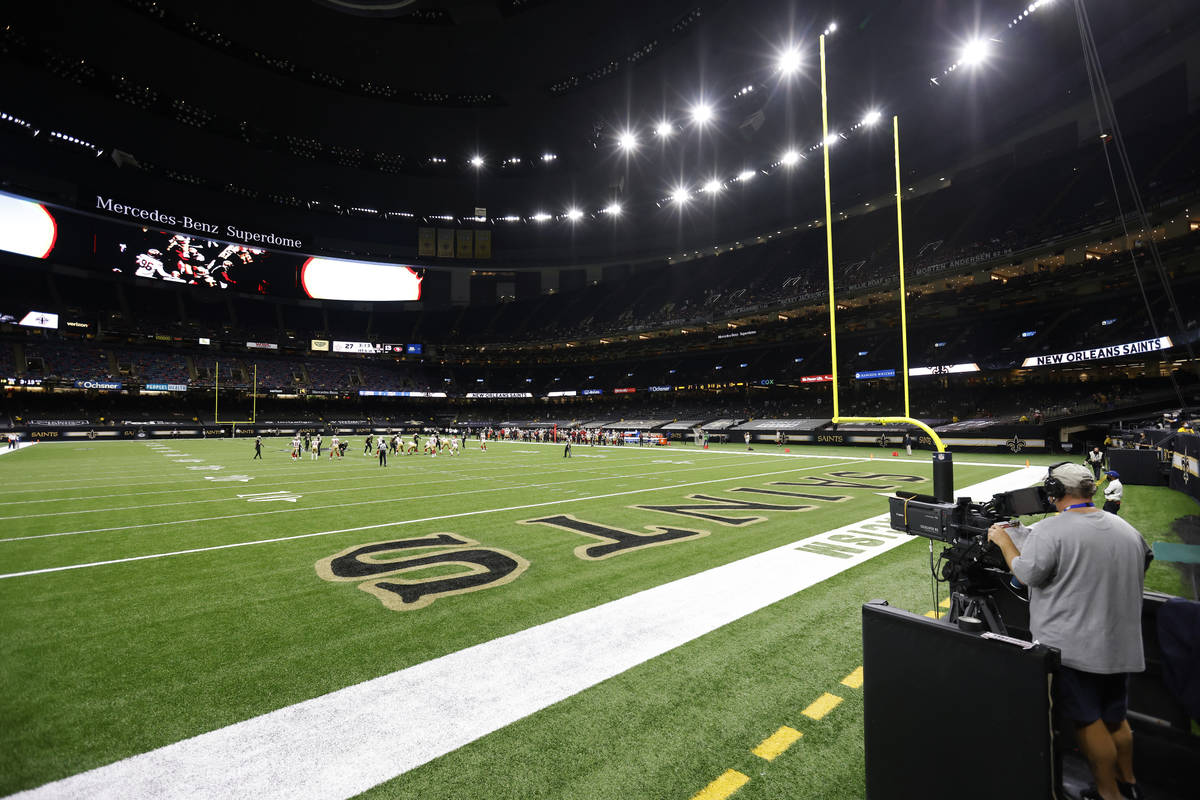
[
  {"x": 217, "y": 399},
  {"x": 900, "y": 249},
  {"x": 837, "y": 418},
  {"x": 829, "y": 233}
]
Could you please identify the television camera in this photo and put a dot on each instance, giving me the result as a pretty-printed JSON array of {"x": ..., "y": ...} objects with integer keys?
[{"x": 972, "y": 565}]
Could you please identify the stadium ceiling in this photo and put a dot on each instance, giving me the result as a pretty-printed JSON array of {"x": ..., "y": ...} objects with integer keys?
[{"x": 512, "y": 102}]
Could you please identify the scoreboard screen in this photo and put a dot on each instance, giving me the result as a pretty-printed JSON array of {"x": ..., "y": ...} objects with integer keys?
[{"x": 37, "y": 230}]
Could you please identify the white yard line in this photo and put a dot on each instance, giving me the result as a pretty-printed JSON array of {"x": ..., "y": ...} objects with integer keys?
[
  {"x": 420, "y": 462},
  {"x": 345, "y": 742},
  {"x": 301, "y": 487},
  {"x": 626, "y": 449},
  {"x": 404, "y": 499},
  {"x": 385, "y": 524},
  {"x": 291, "y": 483}
]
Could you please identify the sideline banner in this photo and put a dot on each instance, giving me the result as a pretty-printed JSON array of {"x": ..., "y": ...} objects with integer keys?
[
  {"x": 1185, "y": 464},
  {"x": 1113, "y": 351}
]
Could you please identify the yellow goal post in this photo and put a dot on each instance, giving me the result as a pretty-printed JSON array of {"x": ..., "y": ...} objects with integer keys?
[
  {"x": 217, "y": 399},
  {"x": 906, "y": 419}
]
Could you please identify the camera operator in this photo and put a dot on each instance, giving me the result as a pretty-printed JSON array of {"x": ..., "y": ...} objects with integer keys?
[{"x": 1085, "y": 570}]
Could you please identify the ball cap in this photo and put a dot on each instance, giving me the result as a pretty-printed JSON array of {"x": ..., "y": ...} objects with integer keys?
[
  {"x": 1073, "y": 476},
  {"x": 1112, "y": 473}
]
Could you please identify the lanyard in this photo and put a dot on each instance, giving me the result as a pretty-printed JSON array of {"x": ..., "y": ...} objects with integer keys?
[{"x": 1080, "y": 505}]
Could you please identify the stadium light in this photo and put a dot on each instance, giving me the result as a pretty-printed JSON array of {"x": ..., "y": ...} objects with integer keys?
[
  {"x": 681, "y": 195},
  {"x": 831, "y": 29},
  {"x": 664, "y": 129},
  {"x": 832, "y": 139},
  {"x": 873, "y": 116},
  {"x": 540, "y": 216},
  {"x": 974, "y": 52},
  {"x": 745, "y": 175},
  {"x": 574, "y": 214},
  {"x": 789, "y": 61},
  {"x": 477, "y": 161},
  {"x": 627, "y": 140},
  {"x": 701, "y": 113},
  {"x": 790, "y": 158},
  {"x": 548, "y": 157},
  {"x": 613, "y": 210},
  {"x": 713, "y": 186}
]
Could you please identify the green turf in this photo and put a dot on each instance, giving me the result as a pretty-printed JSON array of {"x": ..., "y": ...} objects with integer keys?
[
  {"x": 1152, "y": 510},
  {"x": 108, "y": 661}
]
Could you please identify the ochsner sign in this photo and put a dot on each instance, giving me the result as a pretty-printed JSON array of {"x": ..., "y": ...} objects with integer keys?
[{"x": 1116, "y": 350}]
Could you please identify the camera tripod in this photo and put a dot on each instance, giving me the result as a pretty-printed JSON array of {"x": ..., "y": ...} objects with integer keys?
[{"x": 980, "y": 606}]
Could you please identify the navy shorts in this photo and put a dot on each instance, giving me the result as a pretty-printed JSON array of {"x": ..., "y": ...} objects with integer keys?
[{"x": 1084, "y": 697}]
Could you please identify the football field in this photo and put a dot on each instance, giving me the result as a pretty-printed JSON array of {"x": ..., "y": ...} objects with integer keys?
[{"x": 183, "y": 621}]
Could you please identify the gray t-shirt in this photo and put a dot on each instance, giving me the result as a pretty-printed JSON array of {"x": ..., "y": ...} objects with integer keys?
[{"x": 1085, "y": 571}]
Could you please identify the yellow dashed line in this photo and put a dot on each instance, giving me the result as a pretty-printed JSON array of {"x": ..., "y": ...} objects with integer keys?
[
  {"x": 779, "y": 741},
  {"x": 945, "y": 603},
  {"x": 933, "y": 614},
  {"x": 776, "y": 743},
  {"x": 822, "y": 706},
  {"x": 722, "y": 787}
]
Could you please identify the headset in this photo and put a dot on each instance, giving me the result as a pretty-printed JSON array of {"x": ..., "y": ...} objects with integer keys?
[{"x": 1053, "y": 487}]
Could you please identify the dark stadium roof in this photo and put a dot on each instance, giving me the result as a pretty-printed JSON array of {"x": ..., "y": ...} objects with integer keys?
[{"x": 367, "y": 102}]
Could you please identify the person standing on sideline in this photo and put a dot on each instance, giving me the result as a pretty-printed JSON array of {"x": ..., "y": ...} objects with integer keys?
[
  {"x": 908, "y": 443},
  {"x": 1096, "y": 461},
  {"x": 1113, "y": 492},
  {"x": 257, "y": 448},
  {"x": 382, "y": 447},
  {"x": 746, "y": 436},
  {"x": 567, "y": 447},
  {"x": 1085, "y": 571}
]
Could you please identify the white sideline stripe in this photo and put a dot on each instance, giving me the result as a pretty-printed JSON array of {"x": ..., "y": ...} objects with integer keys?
[
  {"x": 398, "y": 523},
  {"x": 407, "y": 498},
  {"x": 20, "y": 446},
  {"x": 345, "y": 742}
]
